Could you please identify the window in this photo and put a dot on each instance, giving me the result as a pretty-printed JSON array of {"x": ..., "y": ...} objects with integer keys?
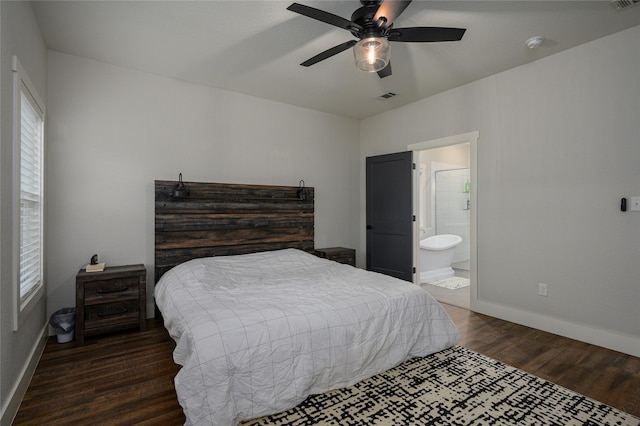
[{"x": 29, "y": 194}]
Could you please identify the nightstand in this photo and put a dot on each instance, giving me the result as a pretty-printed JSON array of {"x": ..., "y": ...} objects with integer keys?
[
  {"x": 110, "y": 300},
  {"x": 338, "y": 254}
]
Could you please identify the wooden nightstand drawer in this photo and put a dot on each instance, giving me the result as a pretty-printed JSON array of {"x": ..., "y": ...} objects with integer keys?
[
  {"x": 104, "y": 291},
  {"x": 111, "y": 314},
  {"x": 110, "y": 300},
  {"x": 338, "y": 254}
]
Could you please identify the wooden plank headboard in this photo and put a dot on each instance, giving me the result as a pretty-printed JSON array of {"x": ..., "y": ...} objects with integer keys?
[{"x": 225, "y": 219}]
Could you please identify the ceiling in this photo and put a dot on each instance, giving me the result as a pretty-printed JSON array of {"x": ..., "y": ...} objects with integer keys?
[{"x": 255, "y": 47}]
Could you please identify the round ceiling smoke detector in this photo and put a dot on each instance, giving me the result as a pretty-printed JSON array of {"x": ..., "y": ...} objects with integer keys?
[{"x": 534, "y": 42}]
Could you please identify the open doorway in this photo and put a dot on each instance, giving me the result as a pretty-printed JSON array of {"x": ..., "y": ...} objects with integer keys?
[{"x": 445, "y": 194}]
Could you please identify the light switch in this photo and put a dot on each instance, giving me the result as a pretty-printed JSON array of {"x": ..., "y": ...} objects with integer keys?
[{"x": 634, "y": 204}]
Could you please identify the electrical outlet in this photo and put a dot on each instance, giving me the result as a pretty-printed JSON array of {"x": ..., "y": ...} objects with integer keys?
[{"x": 542, "y": 289}]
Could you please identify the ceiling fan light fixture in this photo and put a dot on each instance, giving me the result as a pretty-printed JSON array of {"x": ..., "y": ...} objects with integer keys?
[{"x": 372, "y": 54}]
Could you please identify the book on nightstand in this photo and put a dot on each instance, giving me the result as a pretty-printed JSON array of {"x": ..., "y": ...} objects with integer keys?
[{"x": 95, "y": 268}]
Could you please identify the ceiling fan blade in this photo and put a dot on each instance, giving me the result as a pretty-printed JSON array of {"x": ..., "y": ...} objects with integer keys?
[
  {"x": 386, "y": 71},
  {"x": 326, "y": 17},
  {"x": 390, "y": 10},
  {"x": 329, "y": 53},
  {"x": 425, "y": 34}
]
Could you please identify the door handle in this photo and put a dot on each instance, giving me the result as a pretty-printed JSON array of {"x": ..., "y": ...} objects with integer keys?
[{"x": 369, "y": 227}]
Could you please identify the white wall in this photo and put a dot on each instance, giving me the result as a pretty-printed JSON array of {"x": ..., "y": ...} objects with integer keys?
[
  {"x": 113, "y": 131},
  {"x": 19, "y": 350},
  {"x": 559, "y": 145},
  {"x": 432, "y": 160}
]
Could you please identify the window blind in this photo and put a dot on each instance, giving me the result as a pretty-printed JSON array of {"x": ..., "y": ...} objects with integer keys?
[{"x": 31, "y": 141}]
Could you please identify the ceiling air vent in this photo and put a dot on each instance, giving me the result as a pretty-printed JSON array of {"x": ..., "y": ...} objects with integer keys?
[
  {"x": 391, "y": 94},
  {"x": 623, "y": 4}
]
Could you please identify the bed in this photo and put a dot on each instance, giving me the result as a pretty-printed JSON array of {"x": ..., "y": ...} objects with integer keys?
[{"x": 258, "y": 332}]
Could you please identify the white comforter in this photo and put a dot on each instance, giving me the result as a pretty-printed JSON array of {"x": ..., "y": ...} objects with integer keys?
[{"x": 256, "y": 334}]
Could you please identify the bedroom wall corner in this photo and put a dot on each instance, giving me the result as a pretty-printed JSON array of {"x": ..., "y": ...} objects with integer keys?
[
  {"x": 557, "y": 152},
  {"x": 114, "y": 131},
  {"x": 19, "y": 350}
]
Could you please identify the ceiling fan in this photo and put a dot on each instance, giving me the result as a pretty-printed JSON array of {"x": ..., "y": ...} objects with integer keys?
[{"x": 372, "y": 24}]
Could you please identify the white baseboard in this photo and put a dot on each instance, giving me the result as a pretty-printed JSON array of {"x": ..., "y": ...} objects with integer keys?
[
  {"x": 595, "y": 336},
  {"x": 10, "y": 410}
]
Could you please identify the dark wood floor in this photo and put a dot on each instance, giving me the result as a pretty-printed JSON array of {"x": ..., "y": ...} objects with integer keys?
[{"x": 127, "y": 378}]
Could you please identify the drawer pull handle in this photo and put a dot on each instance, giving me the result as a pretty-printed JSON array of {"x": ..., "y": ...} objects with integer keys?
[
  {"x": 123, "y": 311},
  {"x": 117, "y": 290}
]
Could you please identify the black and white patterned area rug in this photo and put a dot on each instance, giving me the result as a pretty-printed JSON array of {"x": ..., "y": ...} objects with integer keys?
[{"x": 453, "y": 387}]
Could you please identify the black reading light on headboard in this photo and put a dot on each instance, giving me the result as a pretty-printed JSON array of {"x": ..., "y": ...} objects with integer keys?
[
  {"x": 180, "y": 190},
  {"x": 301, "y": 192}
]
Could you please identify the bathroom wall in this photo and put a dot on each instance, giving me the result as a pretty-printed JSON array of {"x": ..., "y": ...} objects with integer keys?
[
  {"x": 452, "y": 208},
  {"x": 452, "y": 218}
]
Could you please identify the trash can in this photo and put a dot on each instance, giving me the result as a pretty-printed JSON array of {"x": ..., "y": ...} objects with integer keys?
[{"x": 63, "y": 323}]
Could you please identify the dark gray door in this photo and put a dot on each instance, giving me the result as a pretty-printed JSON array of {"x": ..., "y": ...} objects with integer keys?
[{"x": 389, "y": 215}]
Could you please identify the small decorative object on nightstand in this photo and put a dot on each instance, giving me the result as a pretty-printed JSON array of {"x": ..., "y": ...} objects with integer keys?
[
  {"x": 110, "y": 300},
  {"x": 338, "y": 254}
]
